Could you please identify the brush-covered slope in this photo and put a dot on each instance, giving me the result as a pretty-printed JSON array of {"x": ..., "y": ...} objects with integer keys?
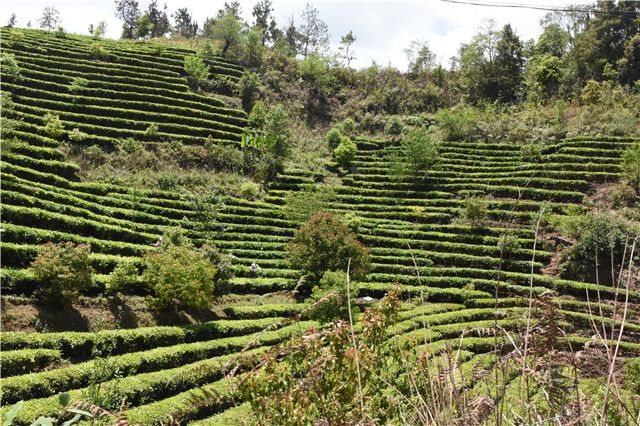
[{"x": 468, "y": 283}]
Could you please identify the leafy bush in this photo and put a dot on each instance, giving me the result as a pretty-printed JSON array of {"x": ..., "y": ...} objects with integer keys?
[
  {"x": 249, "y": 190},
  {"x": 222, "y": 262},
  {"x": 418, "y": 153},
  {"x": 124, "y": 278},
  {"x": 249, "y": 88},
  {"x": 97, "y": 51},
  {"x": 179, "y": 277},
  {"x": 631, "y": 165},
  {"x": 473, "y": 211},
  {"x": 347, "y": 126},
  {"x": 324, "y": 243},
  {"x": 458, "y": 123},
  {"x": 77, "y": 84},
  {"x": 197, "y": 70},
  {"x": 62, "y": 271},
  {"x": 601, "y": 238},
  {"x": 76, "y": 135},
  {"x": 301, "y": 205},
  {"x": 334, "y": 137},
  {"x": 531, "y": 152},
  {"x": 345, "y": 152},
  {"x": 53, "y": 126},
  {"x": 258, "y": 115},
  {"x": 330, "y": 298},
  {"x": 152, "y": 130},
  {"x": 10, "y": 67},
  {"x": 394, "y": 126}
]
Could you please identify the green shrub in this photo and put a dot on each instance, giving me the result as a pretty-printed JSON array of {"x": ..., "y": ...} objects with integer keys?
[
  {"x": 458, "y": 123},
  {"x": 394, "y": 126},
  {"x": 197, "y": 70},
  {"x": 62, "y": 271},
  {"x": 418, "y": 154},
  {"x": 77, "y": 84},
  {"x": 179, "y": 277},
  {"x": 222, "y": 263},
  {"x": 301, "y": 205},
  {"x": 330, "y": 298},
  {"x": 334, "y": 137},
  {"x": 531, "y": 153},
  {"x": 258, "y": 115},
  {"x": 152, "y": 130},
  {"x": 10, "y": 67},
  {"x": 324, "y": 243},
  {"x": 473, "y": 212},
  {"x": 97, "y": 51},
  {"x": 76, "y": 135},
  {"x": 601, "y": 238},
  {"x": 124, "y": 278},
  {"x": 249, "y": 88},
  {"x": 631, "y": 165},
  {"x": 345, "y": 152},
  {"x": 249, "y": 190},
  {"x": 347, "y": 126},
  {"x": 53, "y": 126},
  {"x": 60, "y": 32},
  {"x": 353, "y": 221}
]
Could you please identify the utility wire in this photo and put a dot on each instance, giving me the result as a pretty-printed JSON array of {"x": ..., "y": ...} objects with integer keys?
[{"x": 542, "y": 7}]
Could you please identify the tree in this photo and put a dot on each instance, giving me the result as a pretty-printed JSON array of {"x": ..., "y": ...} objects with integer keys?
[
  {"x": 144, "y": 26},
  {"x": 180, "y": 277},
  {"x": 418, "y": 154},
  {"x": 264, "y": 20},
  {"x": 100, "y": 29},
  {"x": 129, "y": 12},
  {"x": 292, "y": 37},
  {"x": 324, "y": 243},
  {"x": 345, "y": 152},
  {"x": 346, "y": 41},
  {"x": 12, "y": 21},
  {"x": 197, "y": 70},
  {"x": 421, "y": 58},
  {"x": 553, "y": 40},
  {"x": 629, "y": 64},
  {"x": 50, "y": 18},
  {"x": 184, "y": 26},
  {"x": 160, "y": 25},
  {"x": 631, "y": 165},
  {"x": 227, "y": 29},
  {"x": 509, "y": 64},
  {"x": 62, "y": 271},
  {"x": 314, "y": 33}
]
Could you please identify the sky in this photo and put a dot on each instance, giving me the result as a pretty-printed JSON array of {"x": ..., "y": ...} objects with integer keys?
[{"x": 383, "y": 28}]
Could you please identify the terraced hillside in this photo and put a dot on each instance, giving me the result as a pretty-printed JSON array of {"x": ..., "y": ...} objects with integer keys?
[{"x": 468, "y": 282}]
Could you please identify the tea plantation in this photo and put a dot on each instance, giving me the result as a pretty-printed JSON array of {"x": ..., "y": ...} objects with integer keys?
[{"x": 455, "y": 276}]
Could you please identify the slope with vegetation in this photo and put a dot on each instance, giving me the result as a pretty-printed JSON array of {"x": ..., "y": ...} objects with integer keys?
[{"x": 108, "y": 153}]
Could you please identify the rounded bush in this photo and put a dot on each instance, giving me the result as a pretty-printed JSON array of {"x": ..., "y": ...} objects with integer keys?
[
  {"x": 324, "y": 243},
  {"x": 345, "y": 152},
  {"x": 334, "y": 137}
]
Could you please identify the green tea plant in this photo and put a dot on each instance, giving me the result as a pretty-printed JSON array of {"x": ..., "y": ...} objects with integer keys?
[
  {"x": 62, "y": 271},
  {"x": 197, "y": 71},
  {"x": 345, "y": 152},
  {"x": 324, "y": 243}
]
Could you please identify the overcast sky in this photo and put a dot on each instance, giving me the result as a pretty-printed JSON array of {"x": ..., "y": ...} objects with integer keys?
[{"x": 383, "y": 28}]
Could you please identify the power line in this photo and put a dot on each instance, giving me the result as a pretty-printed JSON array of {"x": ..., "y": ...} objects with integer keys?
[{"x": 542, "y": 7}]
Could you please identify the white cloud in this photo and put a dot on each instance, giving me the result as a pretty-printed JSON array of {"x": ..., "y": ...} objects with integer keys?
[{"x": 383, "y": 28}]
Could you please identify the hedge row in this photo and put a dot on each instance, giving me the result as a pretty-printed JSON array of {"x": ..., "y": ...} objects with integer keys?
[{"x": 27, "y": 361}]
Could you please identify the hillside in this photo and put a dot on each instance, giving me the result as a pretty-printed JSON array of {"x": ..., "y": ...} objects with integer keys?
[{"x": 455, "y": 276}]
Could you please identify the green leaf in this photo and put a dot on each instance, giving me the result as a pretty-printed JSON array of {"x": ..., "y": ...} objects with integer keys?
[
  {"x": 43, "y": 421},
  {"x": 73, "y": 420},
  {"x": 10, "y": 415},
  {"x": 64, "y": 399}
]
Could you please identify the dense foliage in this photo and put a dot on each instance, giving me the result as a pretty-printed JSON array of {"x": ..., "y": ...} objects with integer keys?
[{"x": 324, "y": 243}]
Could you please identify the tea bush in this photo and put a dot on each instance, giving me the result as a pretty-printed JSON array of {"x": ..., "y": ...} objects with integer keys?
[
  {"x": 324, "y": 243},
  {"x": 62, "y": 271}
]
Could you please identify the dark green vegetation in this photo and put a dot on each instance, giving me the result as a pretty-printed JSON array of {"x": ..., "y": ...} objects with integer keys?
[{"x": 468, "y": 241}]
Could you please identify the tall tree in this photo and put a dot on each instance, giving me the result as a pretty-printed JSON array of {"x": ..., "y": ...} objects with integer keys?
[
  {"x": 346, "y": 53},
  {"x": 227, "y": 29},
  {"x": 184, "y": 26},
  {"x": 233, "y": 7},
  {"x": 128, "y": 12},
  {"x": 421, "y": 58},
  {"x": 508, "y": 65},
  {"x": 12, "y": 21},
  {"x": 50, "y": 18},
  {"x": 292, "y": 36},
  {"x": 314, "y": 33},
  {"x": 262, "y": 14},
  {"x": 159, "y": 19}
]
